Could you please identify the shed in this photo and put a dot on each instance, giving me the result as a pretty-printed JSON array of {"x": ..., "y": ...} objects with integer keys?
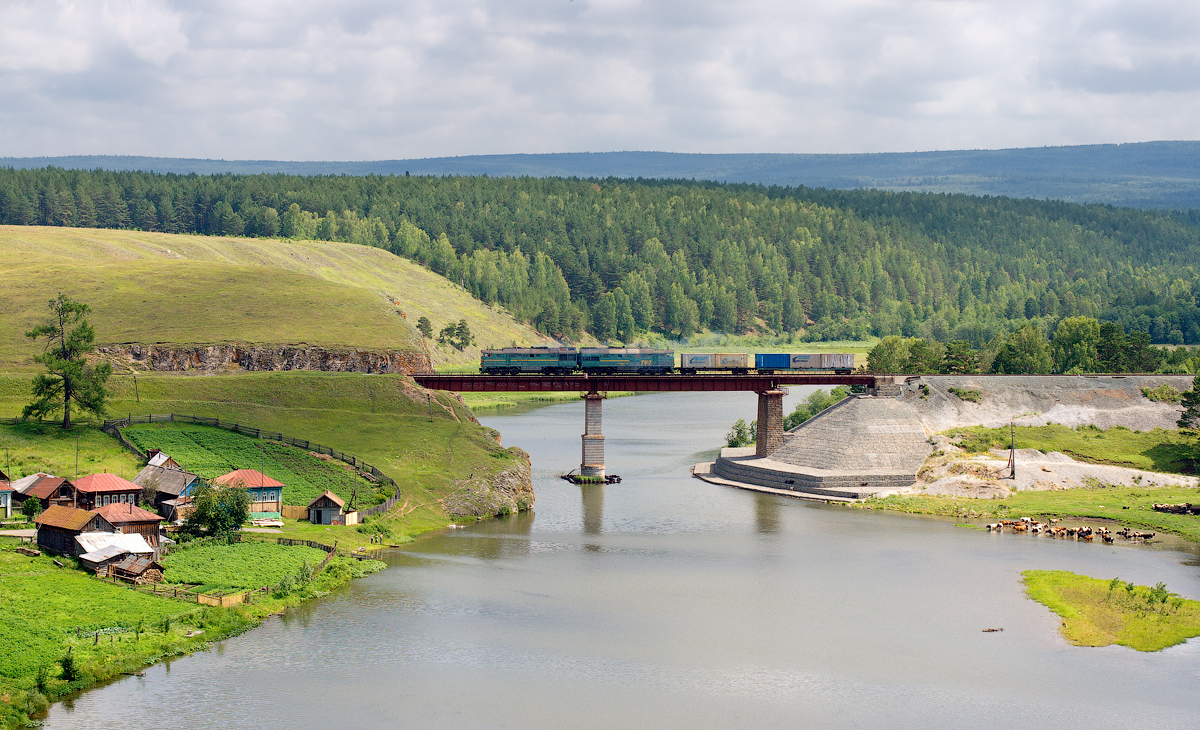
[
  {"x": 58, "y": 528},
  {"x": 176, "y": 510},
  {"x": 137, "y": 569},
  {"x": 99, "y": 560},
  {"x": 129, "y": 518},
  {"x": 266, "y": 494},
  {"x": 326, "y": 509}
]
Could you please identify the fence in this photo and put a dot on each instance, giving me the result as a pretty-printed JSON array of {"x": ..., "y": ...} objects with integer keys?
[{"x": 367, "y": 470}]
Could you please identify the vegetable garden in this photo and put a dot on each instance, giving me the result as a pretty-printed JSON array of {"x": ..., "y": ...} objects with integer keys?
[{"x": 211, "y": 452}]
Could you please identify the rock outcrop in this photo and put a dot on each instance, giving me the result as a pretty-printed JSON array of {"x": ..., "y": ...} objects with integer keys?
[
  {"x": 506, "y": 492},
  {"x": 224, "y": 358}
]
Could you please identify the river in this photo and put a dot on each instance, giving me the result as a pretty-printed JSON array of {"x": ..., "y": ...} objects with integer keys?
[{"x": 666, "y": 602}]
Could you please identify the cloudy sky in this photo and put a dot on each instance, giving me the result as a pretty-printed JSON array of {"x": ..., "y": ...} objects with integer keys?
[{"x": 383, "y": 79}]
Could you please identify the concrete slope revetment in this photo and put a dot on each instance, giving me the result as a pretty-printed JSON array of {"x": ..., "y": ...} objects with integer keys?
[{"x": 863, "y": 446}]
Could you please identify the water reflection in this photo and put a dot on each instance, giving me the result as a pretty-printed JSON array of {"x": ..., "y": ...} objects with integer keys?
[
  {"x": 593, "y": 508},
  {"x": 766, "y": 513}
]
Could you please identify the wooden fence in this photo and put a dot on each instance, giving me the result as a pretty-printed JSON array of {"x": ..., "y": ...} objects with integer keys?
[{"x": 367, "y": 470}]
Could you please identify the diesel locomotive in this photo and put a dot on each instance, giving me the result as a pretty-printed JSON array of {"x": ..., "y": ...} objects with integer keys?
[{"x": 648, "y": 361}]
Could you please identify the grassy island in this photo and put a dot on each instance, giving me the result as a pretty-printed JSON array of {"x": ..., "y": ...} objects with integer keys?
[{"x": 1101, "y": 612}]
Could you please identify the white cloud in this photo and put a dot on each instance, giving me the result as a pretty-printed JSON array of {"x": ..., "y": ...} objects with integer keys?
[{"x": 375, "y": 79}]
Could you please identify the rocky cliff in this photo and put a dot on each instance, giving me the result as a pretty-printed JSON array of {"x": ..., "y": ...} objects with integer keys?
[
  {"x": 505, "y": 492},
  {"x": 224, "y": 358}
]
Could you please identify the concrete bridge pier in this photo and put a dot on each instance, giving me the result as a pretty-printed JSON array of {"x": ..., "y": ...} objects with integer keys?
[
  {"x": 770, "y": 420},
  {"x": 593, "y": 438}
]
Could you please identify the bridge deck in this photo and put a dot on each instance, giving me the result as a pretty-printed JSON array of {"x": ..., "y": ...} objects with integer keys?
[{"x": 586, "y": 383}]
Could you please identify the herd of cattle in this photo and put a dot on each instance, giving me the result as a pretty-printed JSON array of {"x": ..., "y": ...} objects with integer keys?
[
  {"x": 1178, "y": 509},
  {"x": 1026, "y": 524}
]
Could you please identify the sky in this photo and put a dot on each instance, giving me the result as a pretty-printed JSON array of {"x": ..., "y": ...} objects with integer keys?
[{"x": 391, "y": 79}]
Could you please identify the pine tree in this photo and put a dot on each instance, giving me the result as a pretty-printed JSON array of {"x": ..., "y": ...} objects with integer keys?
[{"x": 69, "y": 378}]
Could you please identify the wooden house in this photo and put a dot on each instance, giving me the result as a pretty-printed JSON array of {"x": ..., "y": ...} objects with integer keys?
[
  {"x": 58, "y": 526},
  {"x": 129, "y": 518},
  {"x": 97, "y": 490},
  {"x": 169, "y": 484},
  {"x": 50, "y": 490},
  {"x": 158, "y": 458},
  {"x": 327, "y": 509},
  {"x": 266, "y": 494},
  {"x": 6, "y": 497}
]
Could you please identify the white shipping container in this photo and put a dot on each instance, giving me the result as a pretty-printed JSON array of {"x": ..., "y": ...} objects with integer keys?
[
  {"x": 806, "y": 362},
  {"x": 840, "y": 361},
  {"x": 728, "y": 361},
  {"x": 697, "y": 361}
]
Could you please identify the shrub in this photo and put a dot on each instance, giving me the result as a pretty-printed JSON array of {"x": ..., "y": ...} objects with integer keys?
[
  {"x": 969, "y": 394},
  {"x": 1162, "y": 394}
]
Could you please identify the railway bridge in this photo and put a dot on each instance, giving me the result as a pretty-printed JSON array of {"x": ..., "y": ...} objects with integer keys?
[{"x": 593, "y": 389}]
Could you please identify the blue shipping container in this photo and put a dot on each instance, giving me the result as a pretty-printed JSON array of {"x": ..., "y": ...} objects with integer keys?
[{"x": 772, "y": 361}]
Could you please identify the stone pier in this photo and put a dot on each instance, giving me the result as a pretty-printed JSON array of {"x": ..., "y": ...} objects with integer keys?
[
  {"x": 770, "y": 421},
  {"x": 593, "y": 438}
]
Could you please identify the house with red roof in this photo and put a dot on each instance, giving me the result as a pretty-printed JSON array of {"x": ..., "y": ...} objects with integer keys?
[
  {"x": 266, "y": 494},
  {"x": 129, "y": 518},
  {"x": 97, "y": 490},
  {"x": 47, "y": 489}
]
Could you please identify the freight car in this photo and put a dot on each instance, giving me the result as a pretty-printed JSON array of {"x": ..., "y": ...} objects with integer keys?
[
  {"x": 840, "y": 363},
  {"x": 692, "y": 362}
]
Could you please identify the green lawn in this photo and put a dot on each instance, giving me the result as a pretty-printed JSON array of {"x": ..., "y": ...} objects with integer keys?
[
  {"x": 1156, "y": 450},
  {"x": 1102, "y": 612},
  {"x": 45, "y": 447}
]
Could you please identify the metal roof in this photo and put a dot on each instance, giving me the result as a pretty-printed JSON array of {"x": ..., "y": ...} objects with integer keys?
[
  {"x": 170, "y": 481},
  {"x": 130, "y": 543},
  {"x": 247, "y": 479},
  {"x": 119, "y": 514},
  {"x": 97, "y": 483}
]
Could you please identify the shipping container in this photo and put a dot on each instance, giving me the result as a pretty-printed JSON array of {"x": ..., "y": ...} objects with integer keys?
[
  {"x": 772, "y": 361},
  {"x": 692, "y": 361},
  {"x": 805, "y": 362},
  {"x": 838, "y": 362}
]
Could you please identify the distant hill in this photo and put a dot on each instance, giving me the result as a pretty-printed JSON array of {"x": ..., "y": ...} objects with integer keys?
[
  {"x": 1139, "y": 175},
  {"x": 177, "y": 290}
]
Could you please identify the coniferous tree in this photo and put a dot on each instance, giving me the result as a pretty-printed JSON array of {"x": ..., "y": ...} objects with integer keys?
[{"x": 69, "y": 379}]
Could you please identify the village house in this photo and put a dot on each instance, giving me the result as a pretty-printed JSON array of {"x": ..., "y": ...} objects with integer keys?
[
  {"x": 329, "y": 509},
  {"x": 96, "y": 550},
  {"x": 129, "y": 518},
  {"x": 6, "y": 497},
  {"x": 47, "y": 489},
  {"x": 58, "y": 526},
  {"x": 158, "y": 458},
  {"x": 266, "y": 494},
  {"x": 97, "y": 490},
  {"x": 168, "y": 482}
]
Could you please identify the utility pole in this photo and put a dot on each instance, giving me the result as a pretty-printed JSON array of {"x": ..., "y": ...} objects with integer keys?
[
  {"x": 429, "y": 397},
  {"x": 135, "y": 389},
  {"x": 76, "y": 456},
  {"x": 1012, "y": 452}
]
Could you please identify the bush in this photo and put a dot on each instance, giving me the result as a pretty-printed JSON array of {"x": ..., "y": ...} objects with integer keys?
[
  {"x": 1162, "y": 394},
  {"x": 967, "y": 394}
]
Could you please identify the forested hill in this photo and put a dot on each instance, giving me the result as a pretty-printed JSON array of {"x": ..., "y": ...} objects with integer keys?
[
  {"x": 1140, "y": 175},
  {"x": 620, "y": 257}
]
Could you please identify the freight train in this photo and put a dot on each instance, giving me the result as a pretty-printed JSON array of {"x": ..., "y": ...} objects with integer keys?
[{"x": 647, "y": 361}]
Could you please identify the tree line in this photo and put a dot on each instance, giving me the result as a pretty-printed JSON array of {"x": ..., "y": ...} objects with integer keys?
[{"x": 620, "y": 258}]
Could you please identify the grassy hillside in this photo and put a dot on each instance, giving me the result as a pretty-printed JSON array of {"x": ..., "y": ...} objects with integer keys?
[
  {"x": 179, "y": 289},
  {"x": 384, "y": 419}
]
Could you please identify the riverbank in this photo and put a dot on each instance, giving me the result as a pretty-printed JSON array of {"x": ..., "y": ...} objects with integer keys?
[
  {"x": 66, "y": 631},
  {"x": 1102, "y": 612}
]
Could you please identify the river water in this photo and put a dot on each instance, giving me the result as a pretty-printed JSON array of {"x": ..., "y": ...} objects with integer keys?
[{"x": 667, "y": 602}]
